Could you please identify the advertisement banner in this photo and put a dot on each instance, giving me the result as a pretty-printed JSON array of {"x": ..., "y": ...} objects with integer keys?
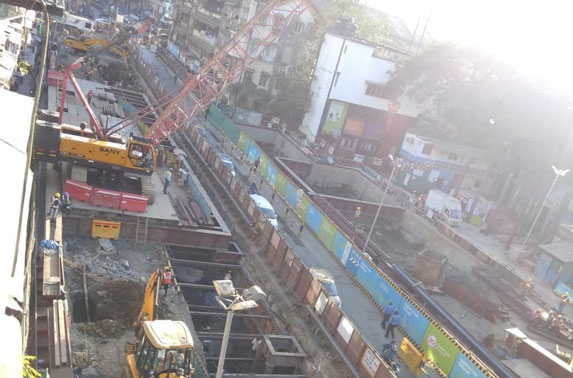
[
  {"x": 253, "y": 151},
  {"x": 351, "y": 259},
  {"x": 243, "y": 139},
  {"x": 412, "y": 321},
  {"x": 263, "y": 166},
  {"x": 335, "y": 118},
  {"x": 271, "y": 174},
  {"x": 280, "y": 184},
  {"x": 313, "y": 218},
  {"x": 367, "y": 276},
  {"x": 464, "y": 368},
  {"x": 439, "y": 348},
  {"x": 290, "y": 191},
  {"x": 339, "y": 244},
  {"x": 302, "y": 207},
  {"x": 326, "y": 233}
]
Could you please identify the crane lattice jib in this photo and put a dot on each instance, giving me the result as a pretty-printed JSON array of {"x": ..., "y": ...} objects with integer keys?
[{"x": 225, "y": 67}]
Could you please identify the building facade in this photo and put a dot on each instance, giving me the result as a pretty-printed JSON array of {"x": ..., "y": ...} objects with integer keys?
[
  {"x": 201, "y": 27},
  {"x": 451, "y": 167},
  {"x": 350, "y": 116}
]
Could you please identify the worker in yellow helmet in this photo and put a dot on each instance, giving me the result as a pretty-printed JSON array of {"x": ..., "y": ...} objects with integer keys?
[
  {"x": 166, "y": 278},
  {"x": 55, "y": 206}
]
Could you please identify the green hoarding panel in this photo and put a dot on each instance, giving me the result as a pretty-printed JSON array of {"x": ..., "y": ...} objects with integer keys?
[
  {"x": 302, "y": 207},
  {"x": 263, "y": 166},
  {"x": 439, "y": 348},
  {"x": 243, "y": 141},
  {"x": 326, "y": 232},
  {"x": 280, "y": 184}
]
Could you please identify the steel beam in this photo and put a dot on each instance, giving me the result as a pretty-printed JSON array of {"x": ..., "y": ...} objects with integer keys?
[
  {"x": 181, "y": 262},
  {"x": 200, "y": 286},
  {"x": 223, "y": 314}
]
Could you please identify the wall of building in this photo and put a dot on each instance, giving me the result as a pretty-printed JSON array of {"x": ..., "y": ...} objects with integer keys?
[
  {"x": 357, "y": 67},
  {"x": 283, "y": 145}
]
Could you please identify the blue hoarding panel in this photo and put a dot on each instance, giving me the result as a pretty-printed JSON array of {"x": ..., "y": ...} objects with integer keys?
[
  {"x": 271, "y": 174},
  {"x": 290, "y": 194},
  {"x": 313, "y": 218},
  {"x": 253, "y": 151},
  {"x": 339, "y": 244},
  {"x": 351, "y": 259},
  {"x": 464, "y": 368},
  {"x": 366, "y": 275},
  {"x": 412, "y": 321}
]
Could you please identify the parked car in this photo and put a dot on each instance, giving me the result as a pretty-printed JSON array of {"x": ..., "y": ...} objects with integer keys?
[
  {"x": 266, "y": 208},
  {"x": 327, "y": 281},
  {"x": 226, "y": 160}
]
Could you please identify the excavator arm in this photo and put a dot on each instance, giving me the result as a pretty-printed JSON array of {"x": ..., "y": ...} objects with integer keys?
[{"x": 150, "y": 299}]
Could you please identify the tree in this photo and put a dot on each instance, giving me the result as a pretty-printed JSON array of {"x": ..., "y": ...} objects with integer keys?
[
  {"x": 370, "y": 27},
  {"x": 293, "y": 99},
  {"x": 476, "y": 99}
]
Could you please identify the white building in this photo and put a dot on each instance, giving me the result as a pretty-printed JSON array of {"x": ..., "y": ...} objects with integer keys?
[{"x": 348, "y": 99}]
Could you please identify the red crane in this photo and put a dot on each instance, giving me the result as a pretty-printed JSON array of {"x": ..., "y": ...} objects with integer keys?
[{"x": 223, "y": 69}]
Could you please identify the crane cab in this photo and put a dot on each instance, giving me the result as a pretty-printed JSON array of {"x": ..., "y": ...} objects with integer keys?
[{"x": 164, "y": 351}]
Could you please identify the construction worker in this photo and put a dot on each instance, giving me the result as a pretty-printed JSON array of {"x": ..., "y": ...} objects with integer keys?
[
  {"x": 394, "y": 322},
  {"x": 228, "y": 275},
  {"x": 389, "y": 351},
  {"x": 90, "y": 96},
  {"x": 66, "y": 203},
  {"x": 563, "y": 302},
  {"x": 527, "y": 287},
  {"x": 166, "y": 278},
  {"x": 357, "y": 213},
  {"x": 167, "y": 176},
  {"x": 54, "y": 206},
  {"x": 387, "y": 314}
]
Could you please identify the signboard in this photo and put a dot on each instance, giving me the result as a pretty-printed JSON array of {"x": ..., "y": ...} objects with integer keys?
[
  {"x": 439, "y": 348},
  {"x": 321, "y": 303},
  {"x": 242, "y": 144},
  {"x": 335, "y": 118},
  {"x": 370, "y": 362},
  {"x": 345, "y": 329}
]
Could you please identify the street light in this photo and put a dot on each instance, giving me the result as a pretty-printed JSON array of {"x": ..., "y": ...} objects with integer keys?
[
  {"x": 231, "y": 301},
  {"x": 558, "y": 173},
  {"x": 396, "y": 162}
]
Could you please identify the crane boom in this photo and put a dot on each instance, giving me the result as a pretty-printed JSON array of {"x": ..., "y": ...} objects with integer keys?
[{"x": 225, "y": 67}]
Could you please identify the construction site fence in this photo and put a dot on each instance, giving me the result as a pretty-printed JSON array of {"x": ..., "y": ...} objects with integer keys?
[{"x": 440, "y": 347}]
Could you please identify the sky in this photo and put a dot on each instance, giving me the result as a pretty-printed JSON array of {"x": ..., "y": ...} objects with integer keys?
[{"x": 534, "y": 36}]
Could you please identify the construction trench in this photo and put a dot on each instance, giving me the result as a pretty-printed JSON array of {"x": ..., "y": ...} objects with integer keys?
[{"x": 102, "y": 282}]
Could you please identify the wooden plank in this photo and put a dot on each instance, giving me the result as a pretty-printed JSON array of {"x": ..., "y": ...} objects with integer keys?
[
  {"x": 62, "y": 325},
  {"x": 55, "y": 336}
]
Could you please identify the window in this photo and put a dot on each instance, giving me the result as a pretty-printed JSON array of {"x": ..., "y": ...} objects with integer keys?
[
  {"x": 264, "y": 79},
  {"x": 368, "y": 147},
  {"x": 298, "y": 27},
  {"x": 346, "y": 142},
  {"x": 453, "y": 157},
  {"x": 248, "y": 76},
  {"x": 375, "y": 90},
  {"x": 428, "y": 147}
]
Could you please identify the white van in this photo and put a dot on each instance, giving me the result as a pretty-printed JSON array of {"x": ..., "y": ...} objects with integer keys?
[
  {"x": 80, "y": 23},
  {"x": 266, "y": 208}
]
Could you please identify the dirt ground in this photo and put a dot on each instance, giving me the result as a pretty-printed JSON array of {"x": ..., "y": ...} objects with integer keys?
[{"x": 116, "y": 282}]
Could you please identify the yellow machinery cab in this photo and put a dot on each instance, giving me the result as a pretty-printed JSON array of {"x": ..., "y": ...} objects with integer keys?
[
  {"x": 82, "y": 147},
  {"x": 164, "y": 351}
]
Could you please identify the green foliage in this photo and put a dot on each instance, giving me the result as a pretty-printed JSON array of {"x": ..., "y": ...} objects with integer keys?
[
  {"x": 28, "y": 369},
  {"x": 294, "y": 98},
  {"x": 369, "y": 27}
]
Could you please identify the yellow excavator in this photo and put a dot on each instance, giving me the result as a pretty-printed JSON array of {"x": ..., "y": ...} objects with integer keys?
[
  {"x": 86, "y": 43},
  {"x": 163, "y": 348}
]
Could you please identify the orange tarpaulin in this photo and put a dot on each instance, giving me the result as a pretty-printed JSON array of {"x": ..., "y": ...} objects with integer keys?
[{"x": 353, "y": 126}]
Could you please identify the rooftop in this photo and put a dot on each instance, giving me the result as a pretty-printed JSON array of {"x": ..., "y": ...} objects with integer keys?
[{"x": 562, "y": 251}]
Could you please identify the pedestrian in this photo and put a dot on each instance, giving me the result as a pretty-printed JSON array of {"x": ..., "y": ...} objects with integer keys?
[
  {"x": 387, "y": 314},
  {"x": 55, "y": 206},
  {"x": 166, "y": 278},
  {"x": 90, "y": 96},
  {"x": 389, "y": 351},
  {"x": 257, "y": 163},
  {"x": 563, "y": 302},
  {"x": 167, "y": 176},
  {"x": 394, "y": 321},
  {"x": 255, "y": 343},
  {"x": 228, "y": 275}
]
